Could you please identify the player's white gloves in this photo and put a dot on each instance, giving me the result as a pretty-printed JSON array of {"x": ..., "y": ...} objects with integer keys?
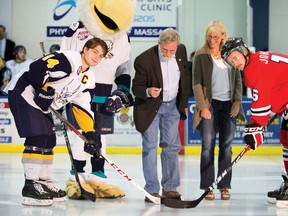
[
  {"x": 253, "y": 135},
  {"x": 117, "y": 100}
]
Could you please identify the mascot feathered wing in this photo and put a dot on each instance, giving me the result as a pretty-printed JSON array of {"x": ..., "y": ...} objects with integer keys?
[{"x": 108, "y": 20}]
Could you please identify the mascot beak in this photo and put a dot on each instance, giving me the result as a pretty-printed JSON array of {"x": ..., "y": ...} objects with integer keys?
[{"x": 113, "y": 15}]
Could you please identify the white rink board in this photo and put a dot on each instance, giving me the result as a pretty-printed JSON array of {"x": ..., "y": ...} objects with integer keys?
[{"x": 125, "y": 133}]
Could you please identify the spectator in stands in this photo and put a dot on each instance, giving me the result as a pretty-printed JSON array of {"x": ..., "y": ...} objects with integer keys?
[
  {"x": 54, "y": 48},
  {"x": 6, "y": 45},
  {"x": 14, "y": 66},
  {"x": 6, "y": 52}
]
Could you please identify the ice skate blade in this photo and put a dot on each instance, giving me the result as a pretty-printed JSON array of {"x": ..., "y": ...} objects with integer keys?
[
  {"x": 282, "y": 204},
  {"x": 271, "y": 200},
  {"x": 59, "y": 199},
  {"x": 27, "y": 201}
]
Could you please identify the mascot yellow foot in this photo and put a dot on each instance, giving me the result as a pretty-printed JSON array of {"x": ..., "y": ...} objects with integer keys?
[
  {"x": 95, "y": 183},
  {"x": 103, "y": 190},
  {"x": 72, "y": 189}
]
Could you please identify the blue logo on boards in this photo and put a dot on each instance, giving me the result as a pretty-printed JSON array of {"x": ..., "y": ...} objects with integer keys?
[
  {"x": 56, "y": 31},
  {"x": 147, "y": 31},
  {"x": 5, "y": 139},
  {"x": 4, "y": 121},
  {"x": 72, "y": 4}
]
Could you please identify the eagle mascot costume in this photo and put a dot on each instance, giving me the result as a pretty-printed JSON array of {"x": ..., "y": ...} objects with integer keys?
[{"x": 109, "y": 20}]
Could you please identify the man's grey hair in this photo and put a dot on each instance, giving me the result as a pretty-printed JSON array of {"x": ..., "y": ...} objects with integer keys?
[{"x": 169, "y": 35}]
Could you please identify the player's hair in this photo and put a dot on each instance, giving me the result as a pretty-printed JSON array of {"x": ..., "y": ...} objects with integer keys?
[
  {"x": 169, "y": 35},
  {"x": 93, "y": 42},
  {"x": 219, "y": 26}
]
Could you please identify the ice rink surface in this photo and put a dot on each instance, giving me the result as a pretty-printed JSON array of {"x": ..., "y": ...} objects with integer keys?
[{"x": 253, "y": 177}]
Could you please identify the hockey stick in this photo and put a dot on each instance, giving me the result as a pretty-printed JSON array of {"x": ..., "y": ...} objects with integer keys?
[
  {"x": 84, "y": 193},
  {"x": 155, "y": 200},
  {"x": 173, "y": 203},
  {"x": 42, "y": 48}
]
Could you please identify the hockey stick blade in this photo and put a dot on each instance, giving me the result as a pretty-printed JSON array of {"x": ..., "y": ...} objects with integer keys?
[
  {"x": 176, "y": 203},
  {"x": 84, "y": 193},
  {"x": 155, "y": 200},
  {"x": 173, "y": 203}
]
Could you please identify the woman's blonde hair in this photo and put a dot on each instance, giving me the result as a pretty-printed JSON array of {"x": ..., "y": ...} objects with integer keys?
[{"x": 219, "y": 26}]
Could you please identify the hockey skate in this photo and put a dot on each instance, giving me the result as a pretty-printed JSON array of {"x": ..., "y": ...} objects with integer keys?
[
  {"x": 272, "y": 195},
  {"x": 34, "y": 194},
  {"x": 57, "y": 194},
  {"x": 282, "y": 198}
]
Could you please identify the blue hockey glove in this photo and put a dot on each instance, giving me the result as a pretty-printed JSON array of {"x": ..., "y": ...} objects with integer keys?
[
  {"x": 44, "y": 98},
  {"x": 253, "y": 135},
  {"x": 117, "y": 100},
  {"x": 94, "y": 144}
]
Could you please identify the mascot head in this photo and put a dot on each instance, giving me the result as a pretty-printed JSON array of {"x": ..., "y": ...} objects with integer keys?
[{"x": 106, "y": 19}]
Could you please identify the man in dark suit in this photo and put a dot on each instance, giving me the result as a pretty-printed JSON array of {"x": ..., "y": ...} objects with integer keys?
[
  {"x": 161, "y": 88},
  {"x": 6, "y": 51},
  {"x": 6, "y": 45}
]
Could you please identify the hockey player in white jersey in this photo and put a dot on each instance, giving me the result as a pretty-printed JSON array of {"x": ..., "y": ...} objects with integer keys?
[
  {"x": 54, "y": 80},
  {"x": 108, "y": 20}
]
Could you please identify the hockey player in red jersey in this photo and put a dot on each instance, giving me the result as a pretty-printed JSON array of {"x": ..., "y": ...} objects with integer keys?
[
  {"x": 265, "y": 73},
  {"x": 54, "y": 80}
]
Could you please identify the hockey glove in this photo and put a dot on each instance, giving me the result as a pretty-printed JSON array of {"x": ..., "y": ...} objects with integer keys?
[
  {"x": 253, "y": 135},
  {"x": 94, "y": 144},
  {"x": 44, "y": 98},
  {"x": 118, "y": 98}
]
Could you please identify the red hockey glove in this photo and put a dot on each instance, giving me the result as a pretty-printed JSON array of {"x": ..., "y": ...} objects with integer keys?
[
  {"x": 285, "y": 114},
  {"x": 253, "y": 135}
]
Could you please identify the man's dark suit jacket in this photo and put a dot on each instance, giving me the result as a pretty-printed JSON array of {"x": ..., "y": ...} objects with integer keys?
[
  {"x": 8, "y": 55},
  {"x": 148, "y": 74}
]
